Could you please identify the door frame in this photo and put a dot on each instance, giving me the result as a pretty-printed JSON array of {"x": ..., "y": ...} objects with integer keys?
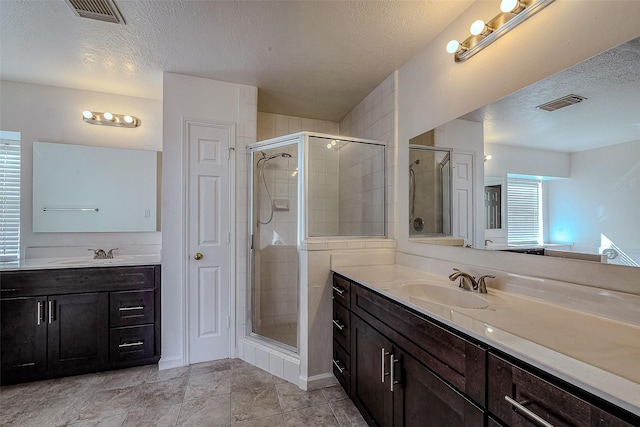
[{"x": 231, "y": 127}]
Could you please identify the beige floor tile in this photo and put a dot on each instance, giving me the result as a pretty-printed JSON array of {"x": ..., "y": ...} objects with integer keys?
[
  {"x": 109, "y": 421},
  {"x": 254, "y": 403},
  {"x": 210, "y": 411},
  {"x": 271, "y": 421},
  {"x": 162, "y": 416},
  {"x": 291, "y": 397},
  {"x": 347, "y": 414},
  {"x": 208, "y": 385},
  {"x": 320, "y": 416}
]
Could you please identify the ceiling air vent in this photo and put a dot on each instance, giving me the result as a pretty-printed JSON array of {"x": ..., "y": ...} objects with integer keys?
[
  {"x": 565, "y": 101},
  {"x": 101, "y": 10}
]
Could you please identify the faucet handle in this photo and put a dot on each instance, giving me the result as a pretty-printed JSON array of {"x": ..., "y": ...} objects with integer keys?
[
  {"x": 482, "y": 286},
  {"x": 98, "y": 253},
  {"x": 110, "y": 253}
]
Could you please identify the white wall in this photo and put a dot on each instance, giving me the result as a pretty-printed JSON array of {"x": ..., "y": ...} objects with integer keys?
[
  {"x": 54, "y": 114},
  {"x": 604, "y": 186},
  {"x": 433, "y": 89},
  {"x": 208, "y": 100},
  {"x": 525, "y": 161}
]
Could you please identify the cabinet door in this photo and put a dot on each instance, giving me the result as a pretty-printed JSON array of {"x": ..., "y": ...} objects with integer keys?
[
  {"x": 422, "y": 399},
  {"x": 370, "y": 387},
  {"x": 23, "y": 339},
  {"x": 78, "y": 332}
]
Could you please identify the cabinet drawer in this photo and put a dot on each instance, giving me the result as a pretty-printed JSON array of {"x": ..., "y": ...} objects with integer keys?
[
  {"x": 341, "y": 325},
  {"x": 456, "y": 359},
  {"x": 131, "y": 308},
  {"x": 341, "y": 366},
  {"x": 341, "y": 290},
  {"x": 553, "y": 404},
  {"x": 131, "y": 343}
]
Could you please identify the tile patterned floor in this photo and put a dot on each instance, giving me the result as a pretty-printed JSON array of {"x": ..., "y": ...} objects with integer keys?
[{"x": 220, "y": 393}]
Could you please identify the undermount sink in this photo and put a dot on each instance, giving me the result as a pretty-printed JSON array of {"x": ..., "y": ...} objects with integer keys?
[{"x": 444, "y": 295}]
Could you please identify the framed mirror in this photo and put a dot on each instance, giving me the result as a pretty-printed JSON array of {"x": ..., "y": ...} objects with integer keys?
[
  {"x": 565, "y": 157},
  {"x": 78, "y": 188}
]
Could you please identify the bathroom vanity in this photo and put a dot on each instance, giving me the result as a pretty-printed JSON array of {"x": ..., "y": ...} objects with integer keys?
[
  {"x": 405, "y": 367},
  {"x": 67, "y": 321}
]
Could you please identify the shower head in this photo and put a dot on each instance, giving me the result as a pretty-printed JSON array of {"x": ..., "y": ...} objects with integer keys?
[
  {"x": 415, "y": 162},
  {"x": 273, "y": 156}
]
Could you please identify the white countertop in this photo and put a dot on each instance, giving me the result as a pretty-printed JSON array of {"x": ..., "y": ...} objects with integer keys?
[
  {"x": 79, "y": 262},
  {"x": 595, "y": 353}
]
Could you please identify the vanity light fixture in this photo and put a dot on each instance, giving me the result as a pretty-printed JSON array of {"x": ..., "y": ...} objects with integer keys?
[
  {"x": 512, "y": 13},
  {"x": 110, "y": 119}
]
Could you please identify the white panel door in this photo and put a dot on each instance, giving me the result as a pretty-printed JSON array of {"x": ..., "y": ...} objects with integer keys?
[
  {"x": 209, "y": 240},
  {"x": 463, "y": 196}
]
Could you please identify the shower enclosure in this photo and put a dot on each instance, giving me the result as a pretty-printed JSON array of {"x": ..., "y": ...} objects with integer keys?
[
  {"x": 304, "y": 185},
  {"x": 429, "y": 191}
]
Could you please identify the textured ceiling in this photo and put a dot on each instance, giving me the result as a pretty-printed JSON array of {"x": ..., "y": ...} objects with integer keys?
[
  {"x": 313, "y": 59},
  {"x": 611, "y": 114}
]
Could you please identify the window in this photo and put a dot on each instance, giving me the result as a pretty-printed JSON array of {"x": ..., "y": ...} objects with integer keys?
[
  {"x": 524, "y": 211},
  {"x": 9, "y": 196}
]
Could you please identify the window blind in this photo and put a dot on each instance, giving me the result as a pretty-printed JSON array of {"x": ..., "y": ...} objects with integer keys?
[
  {"x": 9, "y": 199},
  {"x": 524, "y": 221}
]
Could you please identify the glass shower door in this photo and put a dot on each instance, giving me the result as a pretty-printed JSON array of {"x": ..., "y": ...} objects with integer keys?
[{"x": 274, "y": 264}]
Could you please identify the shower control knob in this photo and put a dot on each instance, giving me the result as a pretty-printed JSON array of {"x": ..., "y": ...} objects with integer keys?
[{"x": 197, "y": 256}]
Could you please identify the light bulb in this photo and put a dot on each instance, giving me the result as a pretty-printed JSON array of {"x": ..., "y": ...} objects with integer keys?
[
  {"x": 453, "y": 46},
  {"x": 511, "y": 6},
  {"x": 108, "y": 116},
  {"x": 128, "y": 119},
  {"x": 87, "y": 114},
  {"x": 333, "y": 142},
  {"x": 329, "y": 146},
  {"x": 477, "y": 27}
]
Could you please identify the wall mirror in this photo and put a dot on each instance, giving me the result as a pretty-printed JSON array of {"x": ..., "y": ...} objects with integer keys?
[
  {"x": 562, "y": 162},
  {"x": 78, "y": 188}
]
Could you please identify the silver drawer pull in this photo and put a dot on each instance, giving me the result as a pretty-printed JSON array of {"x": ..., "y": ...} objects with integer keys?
[
  {"x": 140, "y": 307},
  {"x": 131, "y": 344},
  {"x": 337, "y": 364},
  {"x": 383, "y": 373},
  {"x": 339, "y": 324},
  {"x": 339, "y": 290},
  {"x": 392, "y": 375},
  {"x": 527, "y": 413},
  {"x": 39, "y": 312}
]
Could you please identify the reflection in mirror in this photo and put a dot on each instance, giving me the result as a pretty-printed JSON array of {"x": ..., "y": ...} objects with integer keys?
[
  {"x": 429, "y": 191},
  {"x": 583, "y": 153},
  {"x": 78, "y": 188},
  {"x": 493, "y": 203}
]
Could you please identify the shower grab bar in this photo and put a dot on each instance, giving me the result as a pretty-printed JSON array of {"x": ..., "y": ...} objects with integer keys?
[{"x": 71, "y": 209}]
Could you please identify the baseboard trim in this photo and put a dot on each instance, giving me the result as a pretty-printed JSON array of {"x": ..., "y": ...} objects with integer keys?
[
  {"x": 317, "y": 381},
  {"x": 169, "y": 363}
]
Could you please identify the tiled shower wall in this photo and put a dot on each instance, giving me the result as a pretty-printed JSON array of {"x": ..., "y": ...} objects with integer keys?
[
  {"x": 361, "y": 190},
  {"x": 272, "y": 125},
  {"x": 375, "y": 118},
  {"x": 323, "y": 189}
]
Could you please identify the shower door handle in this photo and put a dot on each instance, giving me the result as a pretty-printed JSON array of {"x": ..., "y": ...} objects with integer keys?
[{"x": 197, "y": 256}]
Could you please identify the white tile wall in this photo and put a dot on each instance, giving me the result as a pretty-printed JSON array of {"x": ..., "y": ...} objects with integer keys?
[
  {"x": 272, "y": 125},
  {"x": 375, "y": 118}
]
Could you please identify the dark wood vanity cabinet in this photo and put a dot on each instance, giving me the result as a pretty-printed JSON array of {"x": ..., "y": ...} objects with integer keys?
[
  {"x": 403, "y": 368},
  {"x": 519, "y": 397},
  {"x": 395, "y": 380},
  {"x": 70, "y": 321}
]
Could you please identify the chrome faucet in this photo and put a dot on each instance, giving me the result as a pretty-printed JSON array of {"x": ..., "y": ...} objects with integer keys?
[
  {"x": 110, "y": 253},
  {"x": 99, "y": 253},
  {"x": 469, "y": 282}
]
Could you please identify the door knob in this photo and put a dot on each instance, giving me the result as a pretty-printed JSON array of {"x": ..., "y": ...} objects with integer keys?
[{"x": 197, "y": 256}]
